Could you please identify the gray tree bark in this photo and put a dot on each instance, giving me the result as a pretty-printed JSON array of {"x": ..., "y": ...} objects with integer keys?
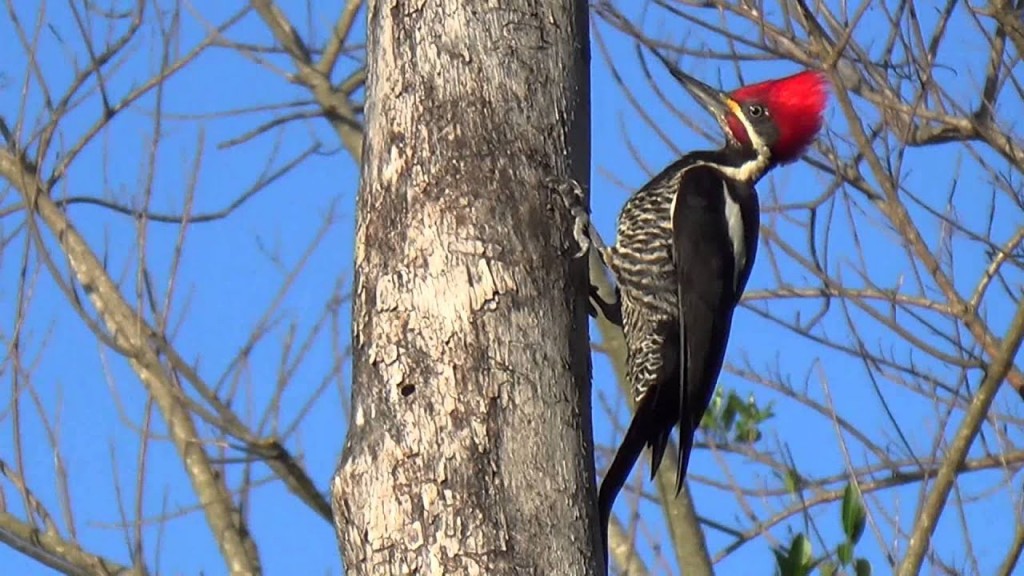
[{"x": 470, "y": 448}]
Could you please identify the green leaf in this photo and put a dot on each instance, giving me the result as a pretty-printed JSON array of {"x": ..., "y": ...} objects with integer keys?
[
  {"x": 800, "y": 554},
  {"x": 862, "y": 567},
  {"x": 712, "y": 419},
  {"x": 754, "y": 413},
  {"x": 827, "y": 568},
  {"x": 730, "y": 418},
  {"x": 782, "y": 562},
  {"x": 854, "y": 516},
  {"x": 747, "y": 433},
  {"x": 797, "y": 560},
  {"x": 845, "y": 553},
  {"x": 733, "y": 405},
  {"x": 791, "y": 480}
]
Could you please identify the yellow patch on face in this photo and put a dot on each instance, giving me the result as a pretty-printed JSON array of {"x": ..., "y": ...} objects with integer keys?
[
  {"x": 737, "y": 123},
  {"x": 734, "y": 106}
]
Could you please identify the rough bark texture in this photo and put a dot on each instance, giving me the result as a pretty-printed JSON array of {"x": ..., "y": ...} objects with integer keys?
[{"x": 470, "y": 448}]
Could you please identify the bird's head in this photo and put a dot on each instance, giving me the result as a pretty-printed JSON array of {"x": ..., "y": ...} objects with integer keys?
[{"x": 778, "y": 118}]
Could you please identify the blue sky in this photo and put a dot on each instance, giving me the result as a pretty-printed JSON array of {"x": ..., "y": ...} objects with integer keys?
[{"x": 232, "y": 270}]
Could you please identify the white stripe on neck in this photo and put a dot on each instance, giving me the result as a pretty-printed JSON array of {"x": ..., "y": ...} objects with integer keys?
[
  {"x": 737, "y": 233},
  {"x": 733, "y": 214},
  {"x": 749, "y": 172}
]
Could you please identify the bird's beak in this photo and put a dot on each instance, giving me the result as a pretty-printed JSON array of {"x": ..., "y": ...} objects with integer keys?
[{"x": 718, "y": 103}]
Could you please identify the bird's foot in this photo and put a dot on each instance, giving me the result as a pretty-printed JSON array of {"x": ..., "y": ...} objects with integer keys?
[
  {"x": 599, "y": 305},
  {"x": 573, "y": 196}
]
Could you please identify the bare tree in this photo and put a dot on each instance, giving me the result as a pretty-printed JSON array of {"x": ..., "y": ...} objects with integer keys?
[
  {"x": 470, "y": 446},
  {"x": 166, "y": 374}
]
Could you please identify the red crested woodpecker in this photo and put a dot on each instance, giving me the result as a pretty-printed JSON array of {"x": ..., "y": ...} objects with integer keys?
[{"x": 685, "y": 246}]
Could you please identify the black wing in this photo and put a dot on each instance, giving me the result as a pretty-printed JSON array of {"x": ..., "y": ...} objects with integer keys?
[{"x": 707, "y": 293}]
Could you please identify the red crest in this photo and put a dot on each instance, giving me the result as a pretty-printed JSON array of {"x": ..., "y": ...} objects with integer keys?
[{"x": 795, "y": 103}]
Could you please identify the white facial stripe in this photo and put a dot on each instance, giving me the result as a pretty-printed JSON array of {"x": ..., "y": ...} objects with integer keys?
[
  {"x": 734, "y": 220},
  {"x": 752, "y": 170}
]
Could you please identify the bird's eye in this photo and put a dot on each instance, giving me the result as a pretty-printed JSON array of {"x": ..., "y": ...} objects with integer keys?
[{"x": 755, "y": 111}]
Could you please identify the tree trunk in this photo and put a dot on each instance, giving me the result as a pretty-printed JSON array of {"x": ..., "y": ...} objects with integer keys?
[{"x": 469, "y": 449}]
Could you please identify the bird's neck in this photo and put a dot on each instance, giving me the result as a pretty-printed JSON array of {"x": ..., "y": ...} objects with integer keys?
[{"x": 741, "y": 163}]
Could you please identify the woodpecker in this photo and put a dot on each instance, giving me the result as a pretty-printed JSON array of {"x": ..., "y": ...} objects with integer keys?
[{"x": 685, "y": 246}]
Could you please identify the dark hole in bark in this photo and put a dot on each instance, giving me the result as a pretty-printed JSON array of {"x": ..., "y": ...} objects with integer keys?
[{"x": 407, "y": 390}]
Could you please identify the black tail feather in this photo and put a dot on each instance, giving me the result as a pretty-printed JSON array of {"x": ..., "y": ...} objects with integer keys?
[
  {"x": 658, "y": 445},
  {"x": 651, "y": 426},
  {"x": 637, "y": 436},
  {"x": 685, "y": 447}
]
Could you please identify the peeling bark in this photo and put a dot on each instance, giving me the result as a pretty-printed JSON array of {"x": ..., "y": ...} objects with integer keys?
[{"x": 470, "y": 449}]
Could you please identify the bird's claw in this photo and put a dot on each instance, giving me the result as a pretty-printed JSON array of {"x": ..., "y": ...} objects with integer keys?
[
  {"x": 573, "y": 196},
  {"x": 581, "y": 232}
]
